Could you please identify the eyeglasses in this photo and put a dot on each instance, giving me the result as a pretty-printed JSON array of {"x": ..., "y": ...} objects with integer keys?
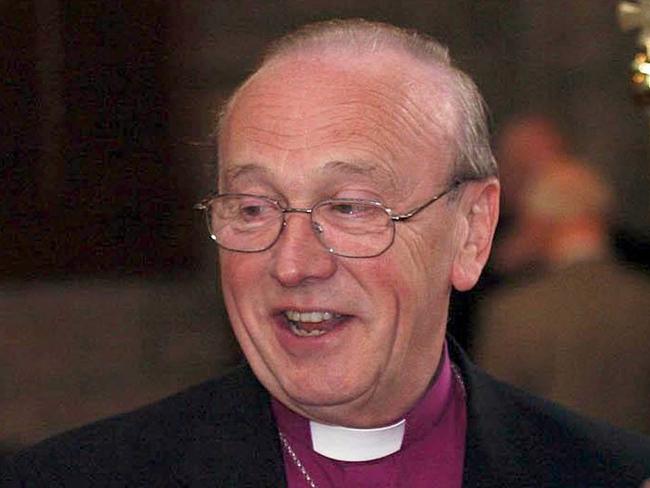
[{"x": 348, "y": 227}]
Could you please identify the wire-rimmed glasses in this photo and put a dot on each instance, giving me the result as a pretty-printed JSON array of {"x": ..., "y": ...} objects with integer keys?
[{"x": 348, "y": 227}]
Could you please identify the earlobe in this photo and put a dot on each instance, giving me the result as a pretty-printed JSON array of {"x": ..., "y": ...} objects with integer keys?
[{"x": 479, "y": 209}]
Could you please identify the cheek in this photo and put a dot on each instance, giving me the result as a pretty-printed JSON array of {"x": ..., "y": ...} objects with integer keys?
[
  {"x": 239, "y": 275},
  {"x": 394, "y": 280},
  {"x": 239, "y": 280},
  {"x": 424, "y": 262},
  {"x": 228, "y": 276}
]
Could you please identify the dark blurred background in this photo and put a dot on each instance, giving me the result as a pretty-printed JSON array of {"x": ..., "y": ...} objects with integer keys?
[{"x": 107, "y": 278}]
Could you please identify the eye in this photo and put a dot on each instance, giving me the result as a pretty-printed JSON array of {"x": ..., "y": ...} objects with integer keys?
[
  {"x": 251, "y": 211},
  {"x": 342, "y": 208},
  {"x": 352, "y": 209},
  {"x": 254, "y": 209}
]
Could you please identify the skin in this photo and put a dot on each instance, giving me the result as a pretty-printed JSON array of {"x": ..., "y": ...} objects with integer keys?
[{"x": 319, "y": 125}]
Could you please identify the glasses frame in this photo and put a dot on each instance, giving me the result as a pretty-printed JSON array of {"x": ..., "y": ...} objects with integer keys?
[{"x": 204, "y": 205}]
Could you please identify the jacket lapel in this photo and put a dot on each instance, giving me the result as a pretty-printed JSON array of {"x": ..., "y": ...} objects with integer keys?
[
  {"x": 237, "y": 445},
  {"x": 491, "y": 454}
]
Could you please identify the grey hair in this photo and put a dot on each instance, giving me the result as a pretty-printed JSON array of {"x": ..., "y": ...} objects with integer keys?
[{"x": 474, "y": 158}]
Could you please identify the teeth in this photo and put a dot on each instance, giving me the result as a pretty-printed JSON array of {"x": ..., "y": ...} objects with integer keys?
[
  {"x": 299, "y": 331},
  {"x": 310, "y": 317}
]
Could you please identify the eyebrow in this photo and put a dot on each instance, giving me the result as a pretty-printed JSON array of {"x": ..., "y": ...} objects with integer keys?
[
  {"x": 385, "y": 178},
  {"x": 242, "y": 170}
]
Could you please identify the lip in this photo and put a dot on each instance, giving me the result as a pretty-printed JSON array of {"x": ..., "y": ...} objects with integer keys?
[{"x": 305, "y": 308}]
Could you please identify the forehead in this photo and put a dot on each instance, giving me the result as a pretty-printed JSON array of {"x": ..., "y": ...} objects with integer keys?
[{"x": 332, "y": 113}]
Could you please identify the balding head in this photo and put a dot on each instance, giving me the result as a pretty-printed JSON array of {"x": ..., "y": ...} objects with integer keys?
[{"x": 448, "y": 100}]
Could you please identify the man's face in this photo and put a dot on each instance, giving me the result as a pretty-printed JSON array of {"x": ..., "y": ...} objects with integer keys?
[{"x": 309, "y": 129}]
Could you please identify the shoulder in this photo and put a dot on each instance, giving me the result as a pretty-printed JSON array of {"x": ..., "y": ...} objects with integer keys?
[
  {"x": 137, "y": 446},
  {"x": 523, "y": 437}
]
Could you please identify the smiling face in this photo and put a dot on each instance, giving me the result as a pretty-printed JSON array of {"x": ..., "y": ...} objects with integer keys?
[{"x": 342, "y": 340}]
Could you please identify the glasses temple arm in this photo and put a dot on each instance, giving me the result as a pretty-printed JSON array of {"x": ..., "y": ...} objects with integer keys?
[{"x": 411, "y": 213}]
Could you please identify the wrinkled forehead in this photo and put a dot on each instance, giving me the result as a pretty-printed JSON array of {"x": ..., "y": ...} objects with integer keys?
[{"x": 385, "y": 103}]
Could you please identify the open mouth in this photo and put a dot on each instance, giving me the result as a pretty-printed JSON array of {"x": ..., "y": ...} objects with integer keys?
[{"x": 313, "y": 323}]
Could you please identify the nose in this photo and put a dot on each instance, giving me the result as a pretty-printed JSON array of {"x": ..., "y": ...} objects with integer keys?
[{"x": 298, "y": 256}]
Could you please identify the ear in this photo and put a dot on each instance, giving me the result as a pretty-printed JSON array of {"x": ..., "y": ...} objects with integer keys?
[{"x": 479, "y": 212}]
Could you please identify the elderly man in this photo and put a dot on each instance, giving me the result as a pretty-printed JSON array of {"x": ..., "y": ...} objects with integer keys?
[{"x": 356, "y": 188}]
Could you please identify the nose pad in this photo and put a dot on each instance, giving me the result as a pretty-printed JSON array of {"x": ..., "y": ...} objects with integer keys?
[{"x": 319, "y": 231}]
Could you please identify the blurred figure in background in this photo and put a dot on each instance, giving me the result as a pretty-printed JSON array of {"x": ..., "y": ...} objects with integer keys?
[
  {"x": 528, "y": 148},
  {"x": 576, "y": 331}
]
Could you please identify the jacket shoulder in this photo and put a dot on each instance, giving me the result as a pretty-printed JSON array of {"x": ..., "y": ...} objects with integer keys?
[
  {"x": 525, "y": 437},
  {"x": 152, "y": 443}
]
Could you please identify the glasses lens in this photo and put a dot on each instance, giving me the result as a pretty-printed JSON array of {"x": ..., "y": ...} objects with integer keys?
[
  {"x": 354, "y": 228},
  {"x": 243, "y": 222}
]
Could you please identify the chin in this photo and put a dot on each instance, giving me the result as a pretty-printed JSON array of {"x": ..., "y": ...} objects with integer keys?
[
  {"x": 327, "y": 394},
  {"x": 316, "y": 397}
]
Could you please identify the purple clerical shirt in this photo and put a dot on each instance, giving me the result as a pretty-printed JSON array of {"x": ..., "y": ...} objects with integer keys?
[{"x": 432, "y": 452}]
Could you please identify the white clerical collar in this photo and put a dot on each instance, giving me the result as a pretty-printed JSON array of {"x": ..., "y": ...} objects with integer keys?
[{"x": 348, "y": 444}]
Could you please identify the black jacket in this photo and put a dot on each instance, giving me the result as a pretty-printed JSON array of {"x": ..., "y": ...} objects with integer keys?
[{"x": 222, "y": 434}]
